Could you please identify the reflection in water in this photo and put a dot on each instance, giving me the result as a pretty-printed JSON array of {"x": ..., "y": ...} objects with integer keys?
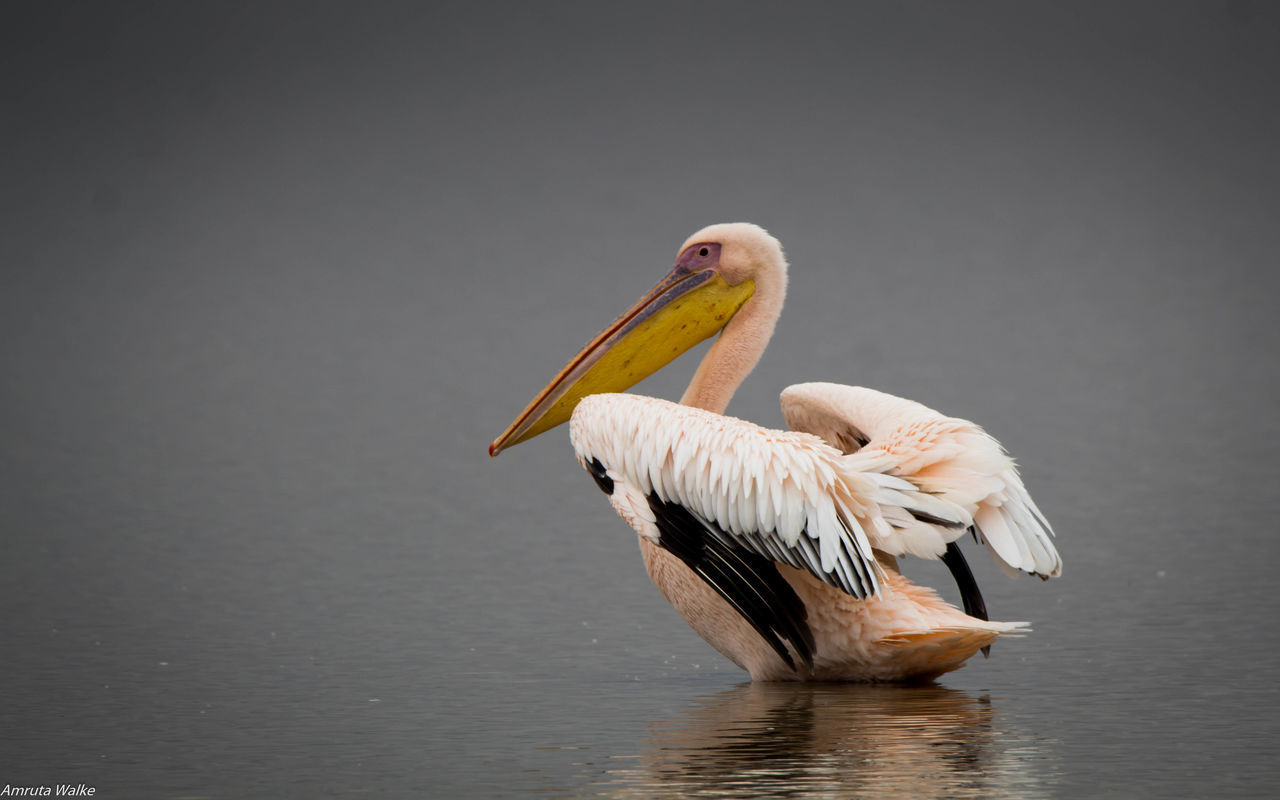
[{"x": 798, "y": 740}]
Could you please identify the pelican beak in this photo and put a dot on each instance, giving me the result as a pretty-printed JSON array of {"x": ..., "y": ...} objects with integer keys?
[{"x": 691, "y": 304}]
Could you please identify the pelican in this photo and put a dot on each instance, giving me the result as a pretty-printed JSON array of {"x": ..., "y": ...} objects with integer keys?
[{"x": 780, "y": 548}]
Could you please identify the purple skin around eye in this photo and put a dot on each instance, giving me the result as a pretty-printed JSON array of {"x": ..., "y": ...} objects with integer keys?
[{"x": 692, "y": 260}]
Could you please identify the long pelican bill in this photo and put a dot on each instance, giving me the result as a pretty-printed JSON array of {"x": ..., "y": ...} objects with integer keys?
[{"x": 685, "y": 308}]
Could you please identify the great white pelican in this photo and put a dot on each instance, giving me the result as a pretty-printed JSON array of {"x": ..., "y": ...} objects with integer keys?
[{"x": 779, "y": 547}]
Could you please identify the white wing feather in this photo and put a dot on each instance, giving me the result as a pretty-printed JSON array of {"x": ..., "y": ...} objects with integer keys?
[
  {"x": 782, "y": 494},
  {"x": 934, "y": 475}
]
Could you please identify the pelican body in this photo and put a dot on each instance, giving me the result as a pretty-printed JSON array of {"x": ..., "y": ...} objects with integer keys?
[{"x": 780, "y": 548}]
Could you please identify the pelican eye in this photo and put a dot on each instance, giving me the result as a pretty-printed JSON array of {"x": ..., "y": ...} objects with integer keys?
[{"x": 704, "y": 252}]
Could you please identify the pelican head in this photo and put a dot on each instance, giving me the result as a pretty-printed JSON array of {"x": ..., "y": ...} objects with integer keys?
[{"x": 729, "y": 277}]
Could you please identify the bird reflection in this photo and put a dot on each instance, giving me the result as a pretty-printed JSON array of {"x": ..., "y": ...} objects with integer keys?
[{"x": 813, "y": 740}]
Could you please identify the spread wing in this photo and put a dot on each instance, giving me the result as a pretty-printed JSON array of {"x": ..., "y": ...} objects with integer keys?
[
  {"x": 776, "y": 494},
  {"x": 937, "y": 476}
]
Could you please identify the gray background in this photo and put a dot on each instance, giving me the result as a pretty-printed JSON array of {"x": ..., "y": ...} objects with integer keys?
[{"x": 274, "y": 275}]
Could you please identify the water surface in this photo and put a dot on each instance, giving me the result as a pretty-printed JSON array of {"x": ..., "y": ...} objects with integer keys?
[{"x": 274, "y": 276}]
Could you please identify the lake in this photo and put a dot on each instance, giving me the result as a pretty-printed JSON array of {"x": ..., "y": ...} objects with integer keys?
[{"x": 275, "y": 276}]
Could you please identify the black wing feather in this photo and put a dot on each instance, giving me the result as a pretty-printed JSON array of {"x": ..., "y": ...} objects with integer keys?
[
  {"x": 970, "y": 595},
  {"x": 749, "y": 582}
]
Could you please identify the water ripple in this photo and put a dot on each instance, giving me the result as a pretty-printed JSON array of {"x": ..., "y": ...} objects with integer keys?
[{"x": 803, "y": 741}]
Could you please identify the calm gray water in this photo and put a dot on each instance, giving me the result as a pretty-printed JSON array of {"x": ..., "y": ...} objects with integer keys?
[{"x": 275, "y": 275}]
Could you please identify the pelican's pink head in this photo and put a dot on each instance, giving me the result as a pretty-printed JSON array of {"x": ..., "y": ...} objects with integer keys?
[{"x": 721, "y": 272}]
